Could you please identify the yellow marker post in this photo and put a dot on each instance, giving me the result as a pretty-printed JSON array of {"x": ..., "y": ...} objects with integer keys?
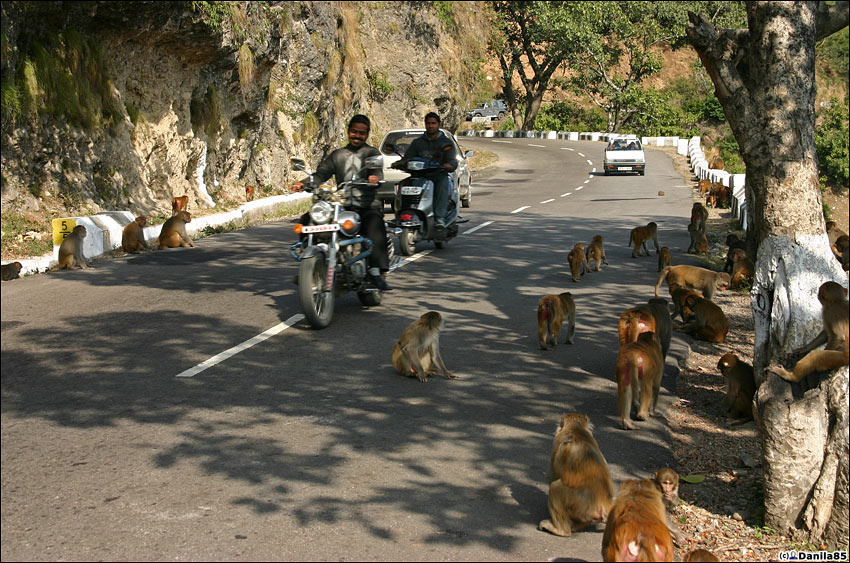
[{"x": 62, "y": 228}]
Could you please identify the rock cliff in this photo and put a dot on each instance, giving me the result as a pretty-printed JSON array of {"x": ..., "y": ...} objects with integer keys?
[{"x": 123, "y": 105}]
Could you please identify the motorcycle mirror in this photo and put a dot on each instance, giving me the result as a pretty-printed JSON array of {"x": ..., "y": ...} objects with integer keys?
[
  {"x": 376, "y": 161},
  {"x": 298, "y": 164},
  {"x": 469, "y": 154}
]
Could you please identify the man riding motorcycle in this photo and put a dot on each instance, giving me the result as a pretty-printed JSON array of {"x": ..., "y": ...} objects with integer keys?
[
  {"x": 344, "y": 164},
  {"x": 434, "y": 145}
]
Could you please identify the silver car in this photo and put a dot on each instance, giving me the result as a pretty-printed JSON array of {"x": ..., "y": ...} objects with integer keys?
[
  {"x": 624, "y": 154},
  {"x": 399, "y": 140}
]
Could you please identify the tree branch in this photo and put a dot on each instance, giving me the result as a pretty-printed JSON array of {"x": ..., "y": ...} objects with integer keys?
[{"x": 719, "y": 53}]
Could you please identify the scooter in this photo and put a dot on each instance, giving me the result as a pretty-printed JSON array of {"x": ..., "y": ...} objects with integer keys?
[{"x": 414, "y": 207}]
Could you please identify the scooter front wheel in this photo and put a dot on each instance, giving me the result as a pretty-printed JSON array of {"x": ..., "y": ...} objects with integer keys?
[
  {"x": 406, "y": 242},
  {"x": 317, "y": 304}
]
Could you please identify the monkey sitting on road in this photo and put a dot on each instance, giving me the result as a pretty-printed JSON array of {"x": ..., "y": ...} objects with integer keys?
[
  {"x": 740, "y": 387},
  {"x": 11, "y": 271},
  {"x": 637, "y": 525},
  {"x": 417, "y": 352},
  {"x": 71, "y": 250},
  {"x": 133, "y": 237},
  {"x": 667, "y": 482},
  {"x": 173, "y": 231}
]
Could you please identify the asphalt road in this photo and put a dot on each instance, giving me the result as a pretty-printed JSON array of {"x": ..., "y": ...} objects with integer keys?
[{"x": 307, "y": 445}]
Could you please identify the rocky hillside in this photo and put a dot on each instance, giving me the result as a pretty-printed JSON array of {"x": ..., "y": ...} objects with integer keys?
[{"x": 123, "y": 105}]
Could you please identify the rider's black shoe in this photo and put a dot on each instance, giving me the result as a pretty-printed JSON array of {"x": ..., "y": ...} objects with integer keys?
[{"x": 379, "y": 282}]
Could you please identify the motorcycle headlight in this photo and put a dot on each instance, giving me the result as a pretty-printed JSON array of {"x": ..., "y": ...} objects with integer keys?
[
  {"x": 349, "y": 222},
  {"x": 321, "y": 212}
]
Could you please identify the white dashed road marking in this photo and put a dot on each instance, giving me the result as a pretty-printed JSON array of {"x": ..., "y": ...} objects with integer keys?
[
  {"x": 548, "y": 201},
  {"x": 481, "y": 226},
  {"x": 523, "y": 208}
]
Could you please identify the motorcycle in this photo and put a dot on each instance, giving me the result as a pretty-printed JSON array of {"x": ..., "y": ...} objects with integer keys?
[
  {"x": 414, "y": 207},
  {"x": 332, "y": 255}
]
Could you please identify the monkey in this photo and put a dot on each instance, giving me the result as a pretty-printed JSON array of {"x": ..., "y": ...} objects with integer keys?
[
  {"x": 636, "y": 529},
  {"x": 133, "y": 237},
  {"x": 663, "y": 258},
  {"x": 596, "y": 253},
  {"x": 634, "y": 322},
  {"x": 639, "y": 371},
  {"x": 580, "y": 488},
  {"x": 699, "y": 242},
  {"x": 639, "y": 235},
  {"x": 699, "y": 215},
  {"x": 667, "y": 482},
  {"x": 842, "y": 251},
  {"x": 733, "y": 242},
  {"x": 704, "y": 320},
  {"x": 699, "y": 555},
  {"x": 417, "y": 352},
  {"x": 718, "y": 195},
  {"x": 704, "y": 186},
  {"x": 678, "y": 296},
  {"x": 740, "y": 386},
  {"x": 835, "y": 334},
  {"x": 71, "y": 250},
  {"x": 11, "y": 271},
  {"x": 833, "y": 232},
  {"x": 661, "y": 192},
  {"x": 693, "y": 277},
  {"x": 717, "y": 163},
  {"x": 663, "y": 324},
  {"x": 249, "y": 193},
  {"x": 742, "y": 268},
  {"x": 599, "y": 241},
  {"x": 173, "y": 233},
  {"x": 179, "y": 204},
  {"x": 578, "y": 261},
  {"x": 552, "y": 312}
]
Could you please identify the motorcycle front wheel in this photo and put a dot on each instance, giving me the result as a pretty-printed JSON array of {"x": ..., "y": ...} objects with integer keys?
[
  {"x": 317, "y": 304},
  {"x": 406, "y": 242}
]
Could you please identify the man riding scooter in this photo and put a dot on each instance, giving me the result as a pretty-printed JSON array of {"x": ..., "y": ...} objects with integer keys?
[{"x": 434, "y": 145}]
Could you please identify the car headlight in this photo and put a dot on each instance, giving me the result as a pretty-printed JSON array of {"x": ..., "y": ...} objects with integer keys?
[{"x": 321, "y": 212}]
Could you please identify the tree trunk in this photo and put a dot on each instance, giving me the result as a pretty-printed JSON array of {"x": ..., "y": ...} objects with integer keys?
[{"x": 764, "y": 78}]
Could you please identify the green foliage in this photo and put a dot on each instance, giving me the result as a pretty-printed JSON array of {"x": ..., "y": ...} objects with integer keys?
[
  {"x": 834, "y": 52},
  {"x": 445, "y": 11},
  {"x": 730, "y": 152},
  {"x": 205, "y": 112},
  {"x": 379, "y": 86},
  {"x": 14, "y": 242},
  {"x": 566, "y": 116},
  {"x": 213, "y": 13},
  {"x": 832, "y": 143},
  {"x": 62, "y": 75}
]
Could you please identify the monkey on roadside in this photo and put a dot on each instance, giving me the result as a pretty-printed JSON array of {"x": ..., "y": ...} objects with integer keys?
[
  {"x": 596, "y": 252},
  {"x": 740, "y": 386},
  {"x": 637, "y": 525},
  {"x": 699, "y": 556},
  {"x": 578, "y": 261},
  {"x": 699, "y": 242},
  {"x": 133, "y": 237},
  {"x": 173, "y": 233},
  {"x": 704, "y": 320},
  {"x": 663, "y": 324},
  {"x": 733, "y": 242},
  {"x": 678, "y": 296},
  {"x": 663, "y": 258},
  {"x": 580, "y": 488},
  {"x": 179, "y": 203},
  {"x": 667, "y": 482},
  {"x": 693, "y": 277},
  {"x": 718, "y": 195},
  {"x": 717, "y": 163},
  {"x": 842, "y": 251},
  {"x": 835, "y": 334},
  {"x": 743, "y": 268},
  {"x": 249, "y": 193},
  {"x": 699, "y": 215},
  {"x": 640, "y": 368},
  {"x": 11, "y": 271},
  {"x": 552, "y": 312},
  {"x": 417, "y": 352},
  {"x": 833, "y": 232},
  {"x": 704, "y": 186},
  {"x": 71, "y": 250},
  {"x": 640, "y": 235}
]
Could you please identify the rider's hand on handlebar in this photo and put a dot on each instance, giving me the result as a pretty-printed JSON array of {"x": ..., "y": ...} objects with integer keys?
[
  {"x": 373, "y": 179},
  {"x": 297, "y": 186}
]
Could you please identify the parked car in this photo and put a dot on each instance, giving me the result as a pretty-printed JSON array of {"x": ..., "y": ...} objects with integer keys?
[
  {"x": 400, "y": 139},
  {"x": 624, "y": 154},
  {"x": 494, "y": 109}
]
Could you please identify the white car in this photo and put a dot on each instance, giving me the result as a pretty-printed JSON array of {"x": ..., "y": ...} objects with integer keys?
[
  {"x": 624, "y": 154},
  {"x": 399, "y": 140}
]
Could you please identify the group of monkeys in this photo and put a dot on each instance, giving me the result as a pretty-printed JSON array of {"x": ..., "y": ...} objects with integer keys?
[{"x": 172, "y": 235}]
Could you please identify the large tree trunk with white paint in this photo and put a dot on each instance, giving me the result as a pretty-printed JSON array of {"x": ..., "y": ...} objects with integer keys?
[{"x": 764, "y": 78}]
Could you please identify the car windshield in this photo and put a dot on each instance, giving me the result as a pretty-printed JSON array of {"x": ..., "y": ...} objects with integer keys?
[
  {"x": 624, "y": 145},
  {"x": 400, "y": 140}
]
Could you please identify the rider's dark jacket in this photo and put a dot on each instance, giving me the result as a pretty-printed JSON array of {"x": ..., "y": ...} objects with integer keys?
[
  {"x": 439, "y": 149},
  {"x": 344, "y": 164}
]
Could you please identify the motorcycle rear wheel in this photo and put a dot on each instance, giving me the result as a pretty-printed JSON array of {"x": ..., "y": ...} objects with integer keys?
[
  {"x": 406, "y": 242},
  {"x": 318, "y": 305}
]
